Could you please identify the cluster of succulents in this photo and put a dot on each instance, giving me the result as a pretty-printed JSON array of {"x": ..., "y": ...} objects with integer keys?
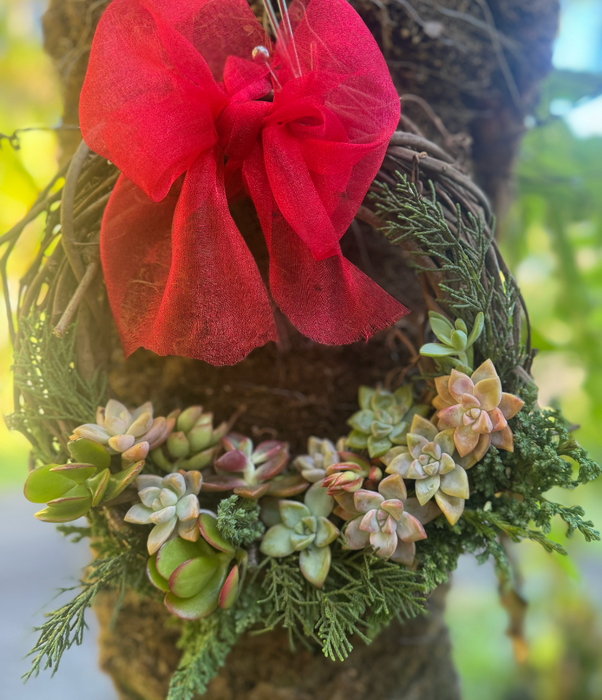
[
  {"x": 71, "y": 490},
  {"x": 334, "y": 493},
  {"x": 192, "y": 443},
  {"x": 383, "y": 419}
]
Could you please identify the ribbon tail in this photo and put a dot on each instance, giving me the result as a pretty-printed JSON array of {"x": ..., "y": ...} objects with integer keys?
[
  {"x": 331, "y": 301},
  {"x": 180, "y": 278}
]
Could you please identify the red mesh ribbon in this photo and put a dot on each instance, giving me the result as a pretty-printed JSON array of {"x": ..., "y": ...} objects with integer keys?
[{"x": 173, "y": 98}]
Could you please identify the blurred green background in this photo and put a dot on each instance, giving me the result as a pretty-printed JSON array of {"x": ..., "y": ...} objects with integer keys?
[{"x": 552, "y": 240}]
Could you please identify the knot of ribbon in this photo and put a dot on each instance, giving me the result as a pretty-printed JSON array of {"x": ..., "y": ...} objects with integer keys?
[{"x": 195, "y": 106}]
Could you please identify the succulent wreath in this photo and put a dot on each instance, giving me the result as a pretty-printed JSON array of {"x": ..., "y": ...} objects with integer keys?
[{"x": 454, "y": 456}]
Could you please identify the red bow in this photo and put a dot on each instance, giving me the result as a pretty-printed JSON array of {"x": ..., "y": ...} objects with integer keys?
[{"x": 172, "y": 88}]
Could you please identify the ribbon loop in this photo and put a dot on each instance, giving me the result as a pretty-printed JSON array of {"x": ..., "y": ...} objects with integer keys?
[{"x": 172, "y": 91}]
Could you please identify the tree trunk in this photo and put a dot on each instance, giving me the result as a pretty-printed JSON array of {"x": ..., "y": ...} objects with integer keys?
[{"x": 477, "y": 66}]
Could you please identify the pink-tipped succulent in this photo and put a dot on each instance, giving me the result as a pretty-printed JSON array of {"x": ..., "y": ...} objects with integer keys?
[
  {"x": 383, "y": 522},
  {"x": 321, "y": 455},
  {"x": 131, "y": 433},
  {"x": 349, "y": 474},
  {"x": 198, "y": 577},
  {"x": 247, "y": 471},
  {"x": 431, "y": 459},
  {"x": 477, "y": 409}
]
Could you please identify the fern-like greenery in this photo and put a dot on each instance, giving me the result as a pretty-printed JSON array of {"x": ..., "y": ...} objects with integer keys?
[
  {"x": 360, "y": 593},
  {"x": 206, "y": 643},
  {"x": 470, "y": 281},
  {"x": 53, "y": 397},
  {"x": 120, "y": 564}
]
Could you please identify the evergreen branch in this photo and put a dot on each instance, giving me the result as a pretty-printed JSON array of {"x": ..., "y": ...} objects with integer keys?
[
  {"x": 65, "y": 626},
  {"x": 207, "y": 642}
]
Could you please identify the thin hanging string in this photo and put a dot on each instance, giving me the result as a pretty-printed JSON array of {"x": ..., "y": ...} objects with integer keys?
[{"x": 285, "y": 38}]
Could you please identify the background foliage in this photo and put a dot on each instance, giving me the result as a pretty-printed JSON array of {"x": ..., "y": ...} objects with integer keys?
[{"x": 552, "y": 238}]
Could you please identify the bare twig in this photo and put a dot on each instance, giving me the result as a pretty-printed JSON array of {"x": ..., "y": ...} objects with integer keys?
[{"x": 85, "y": 282}]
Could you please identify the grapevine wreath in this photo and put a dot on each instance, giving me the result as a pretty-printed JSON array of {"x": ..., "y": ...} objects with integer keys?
[{"x": 188, "y": 109}]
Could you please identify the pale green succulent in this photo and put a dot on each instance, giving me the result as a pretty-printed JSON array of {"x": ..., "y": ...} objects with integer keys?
[
  {"x": 383, "y": 420},
  {"x": 194, "y": 442},
  {"x": 305, "y": 528},
  {"x": 455, "y": 346},
  {"x": 167, "y": 503},
  {"x": 321, "y": 455}
]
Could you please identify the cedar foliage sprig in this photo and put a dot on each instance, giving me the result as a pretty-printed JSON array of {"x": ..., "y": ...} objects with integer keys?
[
  {"x": 51, "y": 390},
  {"x": 470, "y": 281},
  {"x": 361, "y": 592},
  {"x": 120, "y": 564},
  {"x": 207, "y": 642}
]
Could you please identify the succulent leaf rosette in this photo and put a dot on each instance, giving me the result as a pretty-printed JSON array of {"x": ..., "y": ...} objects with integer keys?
[
  {"x": 431, "y": 459},
  {"x": 321, "y": 455},
  {"x": 305, "y": 528},
  {"x": 131, "y": 433},
  {"x": 167, "y": 502},
  {"x": 193, "y": 443},
  {"x": 454, "y": 339},
  {"x": 383, "y": 523},
  {"x": 71, "y": 490},
  {"x": 477, "y": 410},
  {"x": 383, "y": 419},
  {"x": 249, "y": 471},
  {"x": 349, "y": 473},
  {"x": 201, "y": 576}
]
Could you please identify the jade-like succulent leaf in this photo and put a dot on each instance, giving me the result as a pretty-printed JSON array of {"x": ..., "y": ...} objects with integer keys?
[
  {"x": 314, "y": 563},
  {"x": 436, "y": 350},
  {"x": 203, "y": 603},
  {"x": 365, "y": 396},
  {"x": 229, "y": 591},
  {"x": 440, "y": 326},
  {"x": 209, "y": 530},
  {"x": 293, "y": 512},
  {"x": 327, "y": 532},
  {"x": 318, "y": 501},
  {"x": 90, "y": 452},
  {"x": 277, "y": 542},
  {"x": 477, "y": 329},
  {"x": 44, "y": 485},
  {"x": 121, "y": 480},
  {"x": 64, "y": 512},
  {"x": 154, "y": 576},
  {"x": 357, "y": 440},
  {"x": 192, "y": 576},
  {"x": 78, "y": 473},
  {"x": 174, "y": 553},
  {"x": 378, "y": 447},
  {"x": 362, "y": 420},
  {"x": 97, "y": 486}
]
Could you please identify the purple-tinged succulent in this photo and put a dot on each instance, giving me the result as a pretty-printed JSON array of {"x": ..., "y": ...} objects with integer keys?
[
  {"x": 245, "y": 470},
  {"x": 348, "y": 475},
  {"x": 383, "y": 523}
]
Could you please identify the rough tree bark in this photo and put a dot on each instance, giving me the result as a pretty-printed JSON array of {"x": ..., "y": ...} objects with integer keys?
[{"x": 477, "y": 64}]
